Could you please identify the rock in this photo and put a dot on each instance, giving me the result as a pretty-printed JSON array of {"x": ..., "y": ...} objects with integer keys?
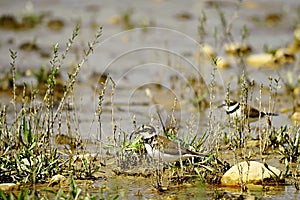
[
  {"x": 5, "y": 187},
  {"x": 235, "y": 49},
  {"x": 260, "y": 60},
  {"x": 297, "y": 91},
  {"x": 114, "y": 20},
  {"x": 297, "y": 34},
  {"x": 205, "y": 52},
  {"x": 284, "y": 56},
  {"x": 57, "y": 180},
  {"x": 281, "y": 57},
  {"x": 222, "y": 63},
  {"x": 55, "y": 24},
  {"x": 73, "y": 142},
  {"x": 85, "y": 157},
  {"x": 285, "y": 110},
  {"x": 252, "y": 143},
  {"x": 252, "y": 172},
  {"x": 172, "y": 197},
  {"x": 208, "y": 51},
  {"x": 296, "y": 117},
  {"x": 98, "y": 175},
  {"x": 293, "y": 47}
]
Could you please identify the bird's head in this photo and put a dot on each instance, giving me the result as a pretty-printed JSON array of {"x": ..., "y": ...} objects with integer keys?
[
  {"x": 146, "y": 131},
  {"x": 228, "y": 105}
]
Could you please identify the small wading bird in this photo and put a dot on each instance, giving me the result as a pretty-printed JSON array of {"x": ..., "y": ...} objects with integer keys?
[
  {"x": 236, "y": 110},
  {"x": 160, "y": 147}
]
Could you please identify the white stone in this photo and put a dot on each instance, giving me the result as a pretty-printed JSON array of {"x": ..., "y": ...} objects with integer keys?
[
  {"x": 260, "y": 60},
  {"x": 56, "y": 179},
  {"x": 8, "y": 186},
  {"x": 251, "y": 172}
]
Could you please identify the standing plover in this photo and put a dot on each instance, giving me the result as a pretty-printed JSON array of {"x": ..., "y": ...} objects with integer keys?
[
  {"x": 236, "y": 110},
  {"x": 160, "y": 147}
]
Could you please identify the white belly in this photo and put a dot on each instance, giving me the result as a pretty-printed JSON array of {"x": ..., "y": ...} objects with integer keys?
[
  {"x": 237, "y": 114},
  {"x": 158, "y": 155}
]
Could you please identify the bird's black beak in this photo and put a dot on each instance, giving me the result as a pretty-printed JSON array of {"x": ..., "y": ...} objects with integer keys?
[{"x": 222, "y": 105}]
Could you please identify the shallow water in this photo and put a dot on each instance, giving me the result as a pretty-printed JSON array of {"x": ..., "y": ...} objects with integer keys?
[{"x": 161, "y": 58}]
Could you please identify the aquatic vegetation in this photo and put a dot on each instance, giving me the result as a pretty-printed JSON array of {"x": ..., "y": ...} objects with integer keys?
[
  {"x": 28, "y": 156},
  {"x": 44, "y": 154}
]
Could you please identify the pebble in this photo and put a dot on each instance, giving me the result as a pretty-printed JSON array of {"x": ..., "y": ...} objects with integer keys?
[
  {"x": 259, "y": 60},
  {"x": 208, "y": 50},
  {"x": 56, "y": 180},
  {"x": 8, "y": 187},
  {"x": 235, "y": 49},
  {"x": 222, "y": 63},
  {"x": 252, "y": 172},
  {"x": 296, "y": 117}
]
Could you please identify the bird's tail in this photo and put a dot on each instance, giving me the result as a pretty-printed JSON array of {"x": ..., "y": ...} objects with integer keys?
[{"x": 271, "y": 114}]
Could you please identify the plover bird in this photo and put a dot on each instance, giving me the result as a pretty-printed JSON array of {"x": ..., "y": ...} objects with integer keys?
[
  {"x": 160, "y": 147},
  {"x": 236, "y": 110}
]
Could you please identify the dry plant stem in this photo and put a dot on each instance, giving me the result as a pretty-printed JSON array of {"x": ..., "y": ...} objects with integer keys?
[
  {"x": 3, "y": 126},
  {"x": 173, "y": 118},
  {"x": 68, "y": 123},
  {"x": 242, "y": 67},
  {"x": 244, "y": 101},
  {"x": 261, "y": 143},
  {"x": 99, "y": 109},
  {"x": 227, "y": 26},
  {"x": 201, "y": 28},
  {"x": 211, "y": 130},
  {"x": 150, "y": 95},
  {"x": 114, "y": 126},
  {"x": 231, "y": 130},
  {"x": 13, "y": 55},
  {"x": 33, "y": 110},
  {"x": 75, "y": 116},
  {"x": 59, "y": 123},
  {"x": 212, "y": 90},
  {"x": 180, "y": 160},
  {"x": 227, "y": 92},
  {"x": 73, "y": 76},
  {"x": 241, "y": 61},
  {"x": 49, "y": 96},
  {"x": 273, "y": 93},
  {"x": 24, "y": 99},
  {"x": 239, "y": 167}
]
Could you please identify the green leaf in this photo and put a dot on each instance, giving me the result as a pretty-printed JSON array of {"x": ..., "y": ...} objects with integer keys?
[
  {"x": 116, "y": 197},
  {"x": 28, "y": 136},
  {"x": 2, "y": 195}
]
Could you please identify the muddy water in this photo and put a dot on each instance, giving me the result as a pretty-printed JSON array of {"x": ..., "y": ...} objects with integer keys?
[{"x": 151, "y": 66}]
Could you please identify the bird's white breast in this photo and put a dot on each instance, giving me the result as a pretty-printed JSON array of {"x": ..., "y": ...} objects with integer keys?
[
  {"x": 157, "y": 154},
  {"x": 237, "y": 113}
]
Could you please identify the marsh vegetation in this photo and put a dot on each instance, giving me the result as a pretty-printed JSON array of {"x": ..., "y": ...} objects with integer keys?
[{"x": 65, "y": 133}]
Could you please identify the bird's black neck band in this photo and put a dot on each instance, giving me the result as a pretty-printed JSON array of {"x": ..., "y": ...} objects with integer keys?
[{"x": 235, "y": 109}]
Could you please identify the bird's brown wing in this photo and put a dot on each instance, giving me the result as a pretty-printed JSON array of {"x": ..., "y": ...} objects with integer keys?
[
  {"x": 253, "y": 113},
  {"x": 170, "y": 147}
]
